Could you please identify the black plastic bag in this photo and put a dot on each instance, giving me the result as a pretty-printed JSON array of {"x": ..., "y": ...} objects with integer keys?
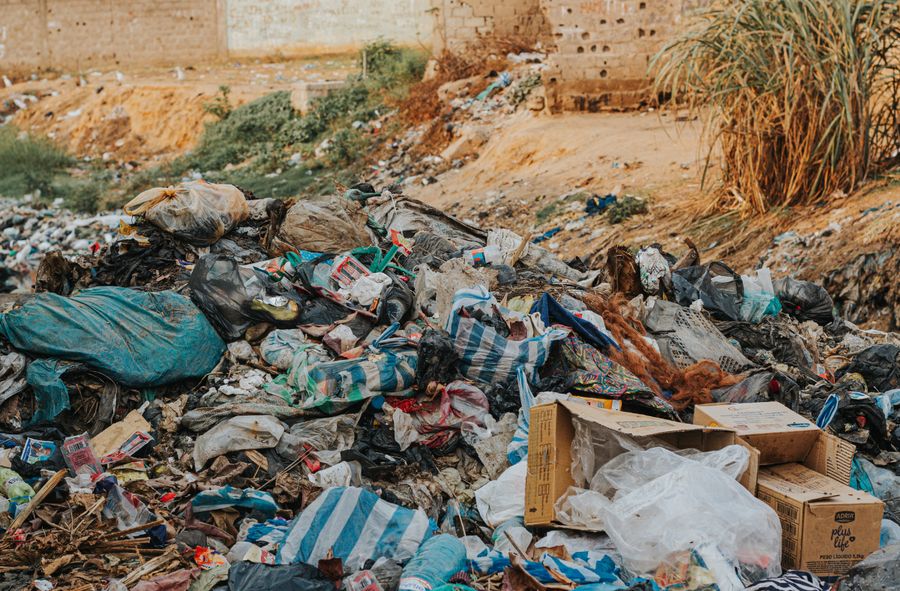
[
  {"x": 252, "y": 576},
  {"x": 233, "y": 297},
  {"x": 716, "y": 285},
  {"x": 396, "y": 302},
  {"x": 878, "y": 365},
  {"x": 437, "y": 359},
  {"x": 805, "y": 300}
]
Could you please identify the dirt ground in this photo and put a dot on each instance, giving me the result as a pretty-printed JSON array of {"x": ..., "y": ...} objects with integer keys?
[
  {"x": 153, "y": 114},
  {"x": 532, "y": 162}
]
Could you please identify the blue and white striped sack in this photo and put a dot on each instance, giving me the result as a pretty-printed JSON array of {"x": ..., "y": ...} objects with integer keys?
[
  {"x": 358, "y": 526},
  {"x": 517, "y": 450},
  {"x": 485, "y": 355}
]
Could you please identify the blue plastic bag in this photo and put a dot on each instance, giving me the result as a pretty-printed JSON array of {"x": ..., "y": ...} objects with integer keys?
[{"x": 139, "y": 339}]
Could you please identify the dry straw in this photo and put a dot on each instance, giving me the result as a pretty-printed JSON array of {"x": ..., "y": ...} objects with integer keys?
[{"x": 801, "y": 97}]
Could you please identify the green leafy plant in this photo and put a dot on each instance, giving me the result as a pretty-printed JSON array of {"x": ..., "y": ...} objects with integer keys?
[{"x": 220, "y": 106}]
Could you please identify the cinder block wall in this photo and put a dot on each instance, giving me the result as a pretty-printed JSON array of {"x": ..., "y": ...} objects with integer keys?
[
  {"x": 460, "y": 22},
  {"x": 600, "y": 50},
  {"x": 77, "y": 34}
]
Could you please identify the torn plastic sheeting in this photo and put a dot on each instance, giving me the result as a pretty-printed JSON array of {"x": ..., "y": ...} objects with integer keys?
[
  {"x": 228, "y": 496},
  {"x": 409, "y": 216},
  {"x": 325, "y": 224},
  {"x": 236, "y": 434},
  {"x": 503, "y": 499},
  {"x": 485, "y": 355},
  {"x": 355, "y": 525},
  {"x": 252, "y": 576},
  {"x": 197, "y": 212},
  {"x": 51, "y": 395},
  {"x": 335, "y": 433},
  {"x": 139, "y": 339}
]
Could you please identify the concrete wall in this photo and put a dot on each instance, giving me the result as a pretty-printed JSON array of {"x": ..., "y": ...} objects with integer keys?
[
  {"x": 83, "y": 33},
  {"x": 301, "y": 26}
]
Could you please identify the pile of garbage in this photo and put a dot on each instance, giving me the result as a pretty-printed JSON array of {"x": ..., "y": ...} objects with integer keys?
[{"x": 360, "y": 392}]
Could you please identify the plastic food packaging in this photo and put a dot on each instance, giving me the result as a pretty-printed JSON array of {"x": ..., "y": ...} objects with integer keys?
[
  {"x": 481, "y": 257},
  {"x": 17, "y": 491},
  {"x": 197, "y": 212},
  {"x": 434, "y": 564}
]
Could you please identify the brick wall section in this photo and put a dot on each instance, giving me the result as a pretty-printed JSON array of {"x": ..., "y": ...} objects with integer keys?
[
  {"x": 600, "y": 50},
  {"x": 79, "y": 34},
  {"x": 460, "y": 22}
]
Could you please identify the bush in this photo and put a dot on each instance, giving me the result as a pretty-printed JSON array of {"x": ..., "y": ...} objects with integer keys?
[
  {"x": 803, "y": 94},
  {"x": 29, "y": 163}
]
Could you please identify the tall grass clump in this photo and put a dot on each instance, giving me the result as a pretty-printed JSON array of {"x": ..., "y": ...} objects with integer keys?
[
  {"x": 29, "y": 163},
  {"x": 801, "y": 97}
]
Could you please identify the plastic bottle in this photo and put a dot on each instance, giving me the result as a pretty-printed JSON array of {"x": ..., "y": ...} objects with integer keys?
[
  {"x": 479, "y": 257},
  {"x": 14, "y": 488},
  {"x": 434, "y": 564}
]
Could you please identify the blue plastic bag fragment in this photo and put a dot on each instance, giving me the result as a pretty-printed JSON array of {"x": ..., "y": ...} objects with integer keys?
[
  {"x": 552, "y": 312},
  {"x": 51, "y": 393},
  {"x": 228, "y": 496},
  {"x": 138, "y": 339}
]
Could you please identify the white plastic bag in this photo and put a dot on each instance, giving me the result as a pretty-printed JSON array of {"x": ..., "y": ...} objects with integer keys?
[
  {"x": 197, "y": 211},
  {"x": 236, "y": 434},
  {"x": 629, "y": 471},
  {"x": 503, "y": 499},
  {"x": 693, "y": 506},
  {"x": 580, "y": 507}
]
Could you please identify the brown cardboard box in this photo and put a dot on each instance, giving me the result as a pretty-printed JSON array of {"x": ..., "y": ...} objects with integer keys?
[
  {"x": 782, "y": 436},
  {"x": 550, "y": 448},
  {"x": 827, "y": 527}
]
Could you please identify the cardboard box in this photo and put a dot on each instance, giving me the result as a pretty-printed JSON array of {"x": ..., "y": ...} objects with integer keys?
[
  {"x": 551, "y": 431},
  {"x": 782, "y": 436},
  {"x": 827, "y": 527}
]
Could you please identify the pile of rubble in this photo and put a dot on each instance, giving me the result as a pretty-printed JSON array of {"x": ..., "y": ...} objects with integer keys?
[{"x": 360, "y": 392}]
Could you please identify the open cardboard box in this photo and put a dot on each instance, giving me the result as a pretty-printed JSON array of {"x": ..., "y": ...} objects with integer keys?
[
  {"x": 550, "y": 448},
  {"x": 781, "y": 436},
  {"x": 827, "y": 527}
]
